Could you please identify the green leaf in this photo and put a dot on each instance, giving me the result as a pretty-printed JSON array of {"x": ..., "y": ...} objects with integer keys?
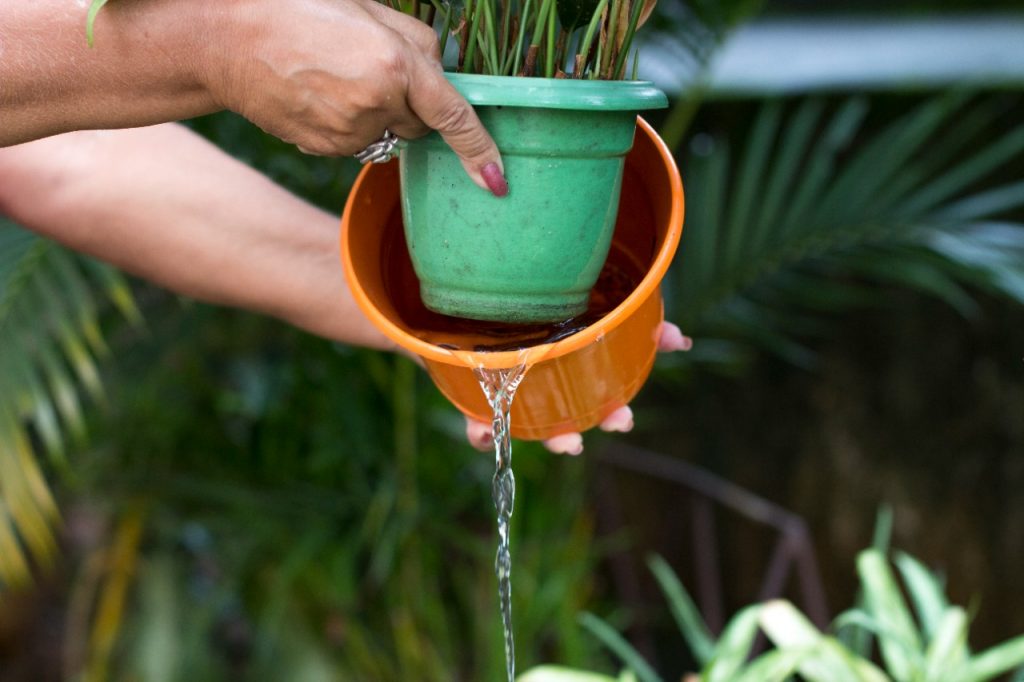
[
  {"x": 826, "y": 660},
  {"x": 882, "y": 159},
  {"x": 14, "y": 569},
  {"x": 49, "y": 323},
  {"x": 552, "y": 673},
  {"x": 619, "y": 646},
  {"x": 748, "y": 185},
  {"x": 90, "y": 19},
  {"x": 991, "y": 255},
  {"x": 947, "y": 650},
  {"x": 28, "y": 502},
  {"x": 963, "y": 174},
  {"x": 687, "y": 617},
  {"x": 986, "y": 203},
  {"x": 774, "y": 666},
  {"x": 995, "y": 661},
  {"x": 733, "y": 647},
  {"x": 918, "y": 273},
  {"x": 820, "y": 165},
  {"x": 812, "y": 220},
  {"x": 901, "y": 643},
  {"x": 696, "y": 255},
  {"x": 159, "y": 646},
  {"x": 926, "y": 592},
  {"x": 792, "y": 149},
  {"x": 881, "y": 538}
]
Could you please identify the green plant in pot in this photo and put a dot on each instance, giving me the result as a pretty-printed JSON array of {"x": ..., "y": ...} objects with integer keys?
[{"x": 546, "y": 78}]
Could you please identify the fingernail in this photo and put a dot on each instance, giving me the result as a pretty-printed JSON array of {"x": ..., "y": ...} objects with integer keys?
[
  {"x": 675, "y": 340},
  {"x": 566, "y": 444},
  {"x": 496, "y": 182},
  {"x": 620, "y": 421},
  {"x": 486, "y": 440}
]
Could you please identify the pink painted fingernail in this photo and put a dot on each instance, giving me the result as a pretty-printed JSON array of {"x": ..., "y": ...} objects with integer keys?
[
  {"x": 496, "y": 182},
  {"x": 621, "y": 421},
  {"x": 673, "y": 340},
  {"x": 565, "y": 444}
]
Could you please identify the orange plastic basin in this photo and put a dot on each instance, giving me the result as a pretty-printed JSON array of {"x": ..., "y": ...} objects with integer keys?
[{"x": 572, "y": 384}]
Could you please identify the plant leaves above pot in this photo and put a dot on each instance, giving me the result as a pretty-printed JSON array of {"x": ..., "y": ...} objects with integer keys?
[{"x": 548, "y": 38}]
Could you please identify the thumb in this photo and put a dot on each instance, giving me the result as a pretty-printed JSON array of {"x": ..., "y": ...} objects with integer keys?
[{"x": 440, "y": 106}]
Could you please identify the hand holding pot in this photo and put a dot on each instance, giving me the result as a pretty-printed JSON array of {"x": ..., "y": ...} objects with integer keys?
[
  {"x": 327, "y": 75},
  {"x": 330, "y": 76}
]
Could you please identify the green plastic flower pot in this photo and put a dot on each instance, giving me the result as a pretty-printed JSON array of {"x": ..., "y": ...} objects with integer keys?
[{"x": 534, "y": 255}]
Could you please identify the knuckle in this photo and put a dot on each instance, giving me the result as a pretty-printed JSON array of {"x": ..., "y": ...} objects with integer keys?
[
  {"x": 392, "y": 63},
  {"x": 427, "y": 39}
]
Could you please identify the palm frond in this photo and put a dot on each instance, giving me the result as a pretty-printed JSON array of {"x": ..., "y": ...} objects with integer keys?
[
  {"x": 817, "y": 209},
  {"x": 50, "y": 340}
]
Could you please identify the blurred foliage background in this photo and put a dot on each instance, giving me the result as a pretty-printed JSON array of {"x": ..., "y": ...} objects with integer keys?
[{"x": 201, "y": 493}]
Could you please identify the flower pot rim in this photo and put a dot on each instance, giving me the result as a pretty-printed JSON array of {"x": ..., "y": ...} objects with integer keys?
[
  {"x": 505, "y": 359},
  {"x": 558, "y": 93}
]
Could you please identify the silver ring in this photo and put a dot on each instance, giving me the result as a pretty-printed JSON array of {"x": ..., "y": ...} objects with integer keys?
[{"x": 381, "y": 151}]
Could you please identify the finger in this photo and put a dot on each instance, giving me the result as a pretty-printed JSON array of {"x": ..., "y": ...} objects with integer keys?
[
  {"x": 670, "y": 338},
  {"x": 441, "y": 107},
  {"x": 619, "y": 421},
  {"x": 479, "y": 435},
  {"x": 565, "y": 444},
  {"x": 409, "y": 128}
]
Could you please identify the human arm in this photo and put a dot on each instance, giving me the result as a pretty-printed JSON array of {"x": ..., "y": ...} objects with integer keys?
[
  {"x": 326, "y": 75},
  {"x": 162, "y": 203}
]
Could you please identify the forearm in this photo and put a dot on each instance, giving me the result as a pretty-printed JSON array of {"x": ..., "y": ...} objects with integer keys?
[
  {"x": 164, "y": 204},
  {"x": 144, "y": 68}
]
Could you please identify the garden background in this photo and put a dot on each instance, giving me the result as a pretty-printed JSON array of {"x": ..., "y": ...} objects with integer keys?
[{"x": 239, "y": 500}]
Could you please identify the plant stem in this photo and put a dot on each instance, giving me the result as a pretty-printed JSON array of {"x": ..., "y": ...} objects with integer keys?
[
  {"x": 508, "y": 63},
  {"x": 561, "y": 46},
  {"x": 549, "y": 66},
  {"x": 488, "y": 39},
  {"x": 524, "y": 19},
  {"x": 538, "y": 28},
  {"x": 547, "y": 6},
  {"x": 588, "y": 39},
  {"x": 446, "y": 28},
  {"x": 497, "y": 51},
  {"x": 627, "y": 40},
  {"x": 470, "y": 52},
  {"x": 506, "y": 30},
  {"x": 609, "y": 49}
]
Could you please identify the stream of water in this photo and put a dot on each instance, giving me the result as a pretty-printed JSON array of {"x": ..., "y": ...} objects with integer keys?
[
  {"x": 500, "y": 386},
  {"x": 623, "y": 270}
]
